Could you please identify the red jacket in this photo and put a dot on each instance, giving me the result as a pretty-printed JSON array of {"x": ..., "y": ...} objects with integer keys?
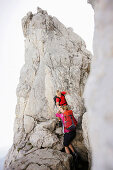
[{"x": 61, "y": 100}]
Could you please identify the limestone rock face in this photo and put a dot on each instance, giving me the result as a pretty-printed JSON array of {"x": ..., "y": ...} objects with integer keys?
[
  {"x": 85, "y": 128},
  {"x": 42, "y": 159},
  {"x": 55, "y": 58},
  {"x": 99, "y": 89}
]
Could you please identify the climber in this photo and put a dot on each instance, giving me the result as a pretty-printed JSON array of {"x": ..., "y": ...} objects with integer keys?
[
  {"x": 60, "y": 100},
  {"x": 69, "y": 128}
]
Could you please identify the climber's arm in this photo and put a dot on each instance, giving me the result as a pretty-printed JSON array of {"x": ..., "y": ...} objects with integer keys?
[
  {"x": 58, "y": 115},
  {"x": 65, "y": 93}
]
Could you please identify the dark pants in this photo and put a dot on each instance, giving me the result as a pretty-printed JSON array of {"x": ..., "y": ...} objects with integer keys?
[{"x": 68, "y": 137}]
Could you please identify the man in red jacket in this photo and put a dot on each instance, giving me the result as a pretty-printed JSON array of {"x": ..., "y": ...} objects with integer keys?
[{"x": 61, "y": 101}]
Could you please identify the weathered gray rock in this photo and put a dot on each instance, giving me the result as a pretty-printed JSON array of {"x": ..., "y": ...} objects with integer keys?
[
  {"x": 42, "y": 137},
  {"x": 55, "y": 58},
  {"x": 59, "y": 131},
  {"x": 99, "y": 89},
  {"x": 37, "y": 167},
  {"x": 42, "y": 159},
  {"x": 85, "y": 128}
]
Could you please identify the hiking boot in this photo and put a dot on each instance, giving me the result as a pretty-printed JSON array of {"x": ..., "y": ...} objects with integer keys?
[{"x": 75, "y": 156}]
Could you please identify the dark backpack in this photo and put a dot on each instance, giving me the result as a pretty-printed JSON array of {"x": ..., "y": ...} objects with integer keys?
[{"x": 56, "y": 98}]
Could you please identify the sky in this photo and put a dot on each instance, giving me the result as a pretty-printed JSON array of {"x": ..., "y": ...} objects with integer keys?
[{"x": 73, "y": 13}]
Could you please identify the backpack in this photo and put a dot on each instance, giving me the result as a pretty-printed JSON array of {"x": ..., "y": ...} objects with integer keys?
[
  {"x": 69, "y": 121},
  {"x": 57, "y": 97}
]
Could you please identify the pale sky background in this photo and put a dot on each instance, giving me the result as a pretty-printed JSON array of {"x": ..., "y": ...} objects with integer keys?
[{"x": 73, "y": 13}]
